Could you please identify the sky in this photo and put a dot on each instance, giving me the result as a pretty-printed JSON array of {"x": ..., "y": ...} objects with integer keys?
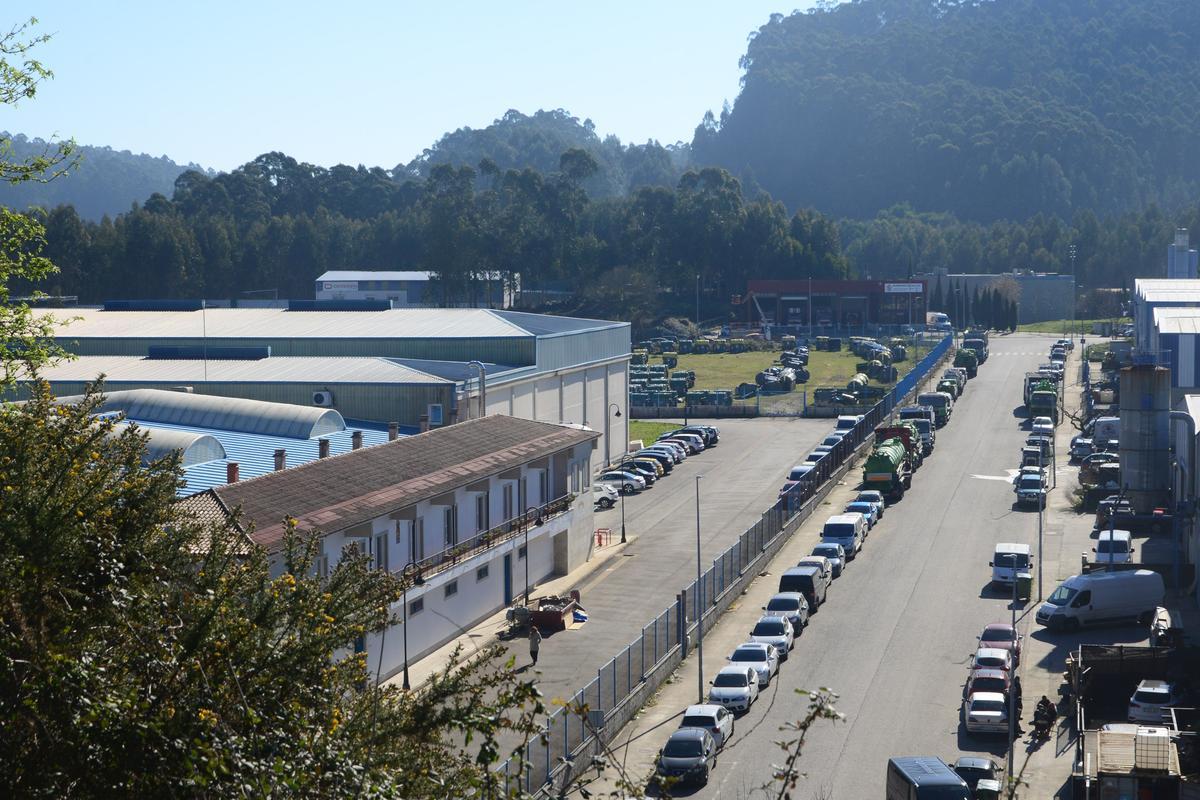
[{"x": 375, "y": 83}]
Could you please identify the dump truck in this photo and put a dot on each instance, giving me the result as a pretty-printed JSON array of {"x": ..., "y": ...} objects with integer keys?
[
  {"x": 949, "y": 386},
  {"x": 1043, "y": 402},
  {"x": 887, "y": 469},
  {"x": 907, "y": 433},
  {"x": 978, "y": 346},
  {"x": 967, "y": 360},
  {"x": 1032, "y": 381}
]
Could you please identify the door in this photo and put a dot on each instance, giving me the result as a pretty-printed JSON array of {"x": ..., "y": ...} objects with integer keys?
[{"x": 508, "y": 595}]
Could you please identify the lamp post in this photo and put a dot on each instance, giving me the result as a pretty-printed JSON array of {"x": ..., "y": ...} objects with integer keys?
[
  {"x": 537, "y": 523},
  {"x": 699, "y": 603},
  {"x": 1012, "y": 688},
  {"x": 608, "y": 433},
  {"x": 1041, "y": 506},
  {"x": 410, "y": 569},
  {"x": 1072, "y": 250}
]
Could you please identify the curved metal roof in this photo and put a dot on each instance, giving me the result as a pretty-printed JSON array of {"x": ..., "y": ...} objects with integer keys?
[
  {"x": 224, "y": 413},
  {"x": 194, "y": 448}
]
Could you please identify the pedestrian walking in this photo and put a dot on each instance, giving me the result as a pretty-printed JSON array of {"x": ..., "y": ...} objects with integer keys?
[{"x": 535, "y": 642}]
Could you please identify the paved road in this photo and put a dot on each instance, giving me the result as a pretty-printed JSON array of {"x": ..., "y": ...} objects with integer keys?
[
  {"x": 896, "y": 638},
  {"x": 742, "y": 476}
]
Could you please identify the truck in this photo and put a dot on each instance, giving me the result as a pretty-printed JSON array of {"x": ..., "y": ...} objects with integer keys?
[
  {"x": 940, "y": 402},
  {"x": 1043, "y": 402},
  {"x": 949, "y": 386},
  {"x": 887, "y": 469},
  {"x": 907, "y": 433},
  {"x": 923, "y": 418},
  {"x": 967, "y": 360},
  {"x": 1034, "y": 380},
  {"x": 978, "y": 346}
]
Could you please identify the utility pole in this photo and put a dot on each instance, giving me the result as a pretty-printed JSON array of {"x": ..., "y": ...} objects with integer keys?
[
  {"x": 699, "y": 604},
  {"x": 1071, "y": 250}
]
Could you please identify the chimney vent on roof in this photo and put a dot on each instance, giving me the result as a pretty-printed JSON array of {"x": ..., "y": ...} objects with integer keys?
[
  {"x": 356, "y": 440},
  {"x": 424, "y": 423},
  {"x": 280, "y": 459},
  {"x": 231, "y": 472},
  {"x": 322, "y": 448},
  {"x": 393, "y": 431}
]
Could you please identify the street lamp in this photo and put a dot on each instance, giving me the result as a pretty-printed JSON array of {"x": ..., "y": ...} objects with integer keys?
[
  {"x": 699, "y": 602},
  {"x": 608, "y": 433},
  {"x": 414, "y": 570},
  {"x": 1012, "y": 687},
  {"x": 537, "y": 523}
]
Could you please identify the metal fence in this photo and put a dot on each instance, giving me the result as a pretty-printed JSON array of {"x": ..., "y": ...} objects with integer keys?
[{"x": 623, "y": 684}]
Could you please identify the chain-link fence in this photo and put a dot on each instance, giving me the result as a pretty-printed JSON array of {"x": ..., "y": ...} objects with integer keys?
[{"x": 623, "y": 684}]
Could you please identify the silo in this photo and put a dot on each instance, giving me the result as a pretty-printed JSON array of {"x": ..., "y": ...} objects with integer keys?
[{"x": 1145, "y": 436}]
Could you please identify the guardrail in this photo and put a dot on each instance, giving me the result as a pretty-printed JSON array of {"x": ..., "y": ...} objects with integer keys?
[{"x": 623, "y": 684}]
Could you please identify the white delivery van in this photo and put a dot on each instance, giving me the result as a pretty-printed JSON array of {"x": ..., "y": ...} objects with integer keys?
[
  {"x": 1113, "y": 547},
  {"x": 848, "y": 530},
  {"x": 1106, "y": 428},
  {"x": 1003, "y": 567},
  {"x": 1103, "y": 597}
]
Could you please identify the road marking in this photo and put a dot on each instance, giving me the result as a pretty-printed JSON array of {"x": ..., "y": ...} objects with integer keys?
[{"x": 1012, "y": 473}]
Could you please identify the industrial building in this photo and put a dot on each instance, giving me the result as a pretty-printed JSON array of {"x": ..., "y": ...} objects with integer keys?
[
  {"x": 1040, "y": 296},
  {"x": 413, "y": 289},
  {"x": 415, "y": 367},
  {"x": 478, "y": 513},
  {"x": 826, "y": 305}
]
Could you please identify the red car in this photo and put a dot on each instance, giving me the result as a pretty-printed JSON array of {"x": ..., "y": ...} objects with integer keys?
[{"x": 1002, "y": 636}]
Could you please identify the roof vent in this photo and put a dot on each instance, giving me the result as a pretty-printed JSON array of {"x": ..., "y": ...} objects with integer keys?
[
  {"x": 339, "y": 305},
  {"x": 153, "y": 305},
  {"x": 196, "y": 352}
]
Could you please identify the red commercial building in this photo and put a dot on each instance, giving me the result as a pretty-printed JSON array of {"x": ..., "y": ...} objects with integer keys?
[{"x": 827, "y": 304}]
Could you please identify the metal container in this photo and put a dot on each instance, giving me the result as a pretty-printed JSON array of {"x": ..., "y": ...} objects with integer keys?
[{"x": 1145, "y": 436}]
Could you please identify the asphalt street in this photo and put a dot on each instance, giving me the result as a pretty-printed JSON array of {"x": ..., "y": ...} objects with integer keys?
[{"x": 896, "y": 638}]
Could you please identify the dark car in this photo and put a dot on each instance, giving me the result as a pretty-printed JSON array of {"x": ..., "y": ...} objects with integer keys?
[
  {"x": 688, "y": 756},
  {"x": 973, "y": 769},
  {"x": 710, "y": 433},
  {"x": 649, "y": 475}
]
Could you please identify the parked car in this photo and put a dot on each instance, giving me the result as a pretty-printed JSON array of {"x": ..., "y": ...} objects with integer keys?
[
  {"x": 791, "y": 605},
  {"x": 1068, "y": 344},
  {"x": 1151, "y": 699},
  {"x": 836, "y": 555},
  {"x": 762, "y": 657},
  {"x": 677, "y": 452},
  {"x": 988, "y": 680},
  {"x": 688, "y": 756},
  {"x": 875, "y": 497},
  {"x": 647, "y": 474},
  {"x": 735, "y": 687},
  {"x": 623, "y": 482},
  {"x": 1002, "y": 636},
  {"x": 1042, "y": 442},
  {"x": 1031, "y": 489},
  {"x": 604, "y": 495},
  {"x": 1113, "y": 546},
  {"x": 814, "y": 457},
  {"x": 664, "y": 459},
  {"x": 832, "y": 440},
  {"x": 692, "y": 442},
  {"x": 711, "y": 717},
  {"x": 992, "y": 658},
  {"x": 985, "y": 712},
  {"x": 870, "y": 512},
  {"x": 1081, "y": 448},
  {"x": 776, "y": 631},
  {"x": 820, "y": 562},
  {"x": 810, "y": 581},
  {"x": 1103, "y": 597},
  {"x": 1043, "y": 426},
  {"x": 846, "y": 423},
  {"x": 711, "y": 433},
  {"x": 974, "y": 769},
  {"x": 847, "y": 530}
]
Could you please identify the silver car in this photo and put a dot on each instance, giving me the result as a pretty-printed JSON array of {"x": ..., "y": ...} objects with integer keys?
[
  {"x": 762, "y": 657},
  {"x": 776, "y": 631}
]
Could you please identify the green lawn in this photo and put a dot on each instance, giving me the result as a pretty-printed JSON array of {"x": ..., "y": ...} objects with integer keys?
[
  {"x": 1083, "y": 327},
  {"x": 647, "y": 430}
]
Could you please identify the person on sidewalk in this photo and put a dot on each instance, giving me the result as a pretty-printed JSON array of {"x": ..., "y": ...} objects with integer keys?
[{"x": 535, "y": 642}]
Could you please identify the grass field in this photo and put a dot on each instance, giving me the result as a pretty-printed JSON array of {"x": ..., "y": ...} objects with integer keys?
[
  {"x": 648, "y": 431},
  {"x": 1083, "y": 327}
]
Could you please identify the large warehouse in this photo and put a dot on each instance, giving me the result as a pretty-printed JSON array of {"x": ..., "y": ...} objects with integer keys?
[{"x": 417, "y": 367}]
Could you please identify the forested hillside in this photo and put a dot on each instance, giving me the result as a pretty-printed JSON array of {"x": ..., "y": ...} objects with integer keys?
[
  {"x": 517, "y": 141},
  {"x": 988, "y": 109},
  {"x": 104, "y": 181}
]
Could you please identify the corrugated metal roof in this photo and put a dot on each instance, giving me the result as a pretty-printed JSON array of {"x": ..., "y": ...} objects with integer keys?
[
  {"x": 1167, "y": 290},
  {"x": 313, "y": 369},
  {"x": 549, "y": 324},
  {"x": 1182, "y": 323},
  {"x": 222, "y": 413},
  {"x": 373, "y": 275},
  {"x": 453, "y": 370},
  {"x": 275, "y": 323},
  {"x": 194, "y": 447}
]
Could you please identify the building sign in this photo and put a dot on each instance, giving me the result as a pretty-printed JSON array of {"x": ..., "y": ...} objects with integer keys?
[
  {"x": 903, "y": 288},
  {"x": 351, "y": 286}
]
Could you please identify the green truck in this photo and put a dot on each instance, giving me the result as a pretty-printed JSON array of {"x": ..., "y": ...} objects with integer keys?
[
  {"x": 949, "y": 386},
  {"x": 1043, "y": 402},
  {"x": 967, "y": 360},
  {"x": 888, "y": 469}
]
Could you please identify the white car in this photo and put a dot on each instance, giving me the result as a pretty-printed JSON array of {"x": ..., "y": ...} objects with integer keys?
[
  {"x": 1069, "y": 344},
  {"x": 993, "y": 658},
  {"x": 623, "y": 482},
  {"x": 1151, "y": 700},
  {"x": 735, "y": 687},
  {"x": 776, "y": 631},
  {"x": 761, "y": 657},
  {"x": 985, "y": 712},
  {"x": 820, "y": 562},
  {"x": 1043, "y": 426},
  {"x": 676, "y": 453},
  {"x": 604, "y": 495},
  {"x": 713, "y": 718}
]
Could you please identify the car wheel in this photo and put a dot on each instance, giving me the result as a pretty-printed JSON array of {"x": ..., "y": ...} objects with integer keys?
[
  {"x": 627, "y": 488},
  {"x": 607, "y": 502}
]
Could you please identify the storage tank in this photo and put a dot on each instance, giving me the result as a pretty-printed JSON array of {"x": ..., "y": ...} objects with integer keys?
[{"x": 1145, "y": 436}]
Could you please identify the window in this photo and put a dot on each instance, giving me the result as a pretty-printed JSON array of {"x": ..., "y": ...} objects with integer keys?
[
  {"x": 481, "y": 574},
  {"x": 450, "y": 525},
  {"x": 507, "y": 500},
  {"x": 451, "y": 588},
  {"x": 544, "y": 486},
  {"x": 381, "y": 552},
  {"x": 520, "y": 552},
  {"x": 435, "y": 414},
  {"x": 416, "y": 606},
  {"x": 1083, "y": 599},
  {"x": 483, "y": 512},
  {"x": 417, "y": 546}
]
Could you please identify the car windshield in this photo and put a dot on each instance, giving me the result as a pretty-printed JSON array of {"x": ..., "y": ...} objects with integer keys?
[
  {"x": 730, "y": 680},
  {"x": 838, "y": 530},
  {"x": 997, "y": 635},
  {"x": 989, "y": 685},
  {"x": 753, "y": 656},
  {"x": 987, "y": 705},
  {"x": 694, "y": 721},
  {"x": 990, "y": 662},
  {"x": 827, "y": 550},
  {"x": 1006, "y": 560},
  {"x": 683, "y": 748},
  {"x": 1115, "y": 546},
  {"x": 1062, "y": 595},
  {"x": 861, "y": 508},
  {"x": 1151, "y": 697},
  {"x": 783, "y": 604},
  {"x": 772, "y": 628},
  {"x": 1031, "y": 482}
]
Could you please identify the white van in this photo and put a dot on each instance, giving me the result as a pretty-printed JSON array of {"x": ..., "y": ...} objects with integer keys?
[
  {"x": 1004, "y": 571},
  {"x": 1106, "y": 429},
  {"x": 848, "y": 530},
  {"x": 1103, "y": 597},
  {"x": 1113, "y": 547}
]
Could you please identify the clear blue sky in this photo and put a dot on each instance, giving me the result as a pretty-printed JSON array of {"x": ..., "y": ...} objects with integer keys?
[{"x": 374, "y": 83}]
